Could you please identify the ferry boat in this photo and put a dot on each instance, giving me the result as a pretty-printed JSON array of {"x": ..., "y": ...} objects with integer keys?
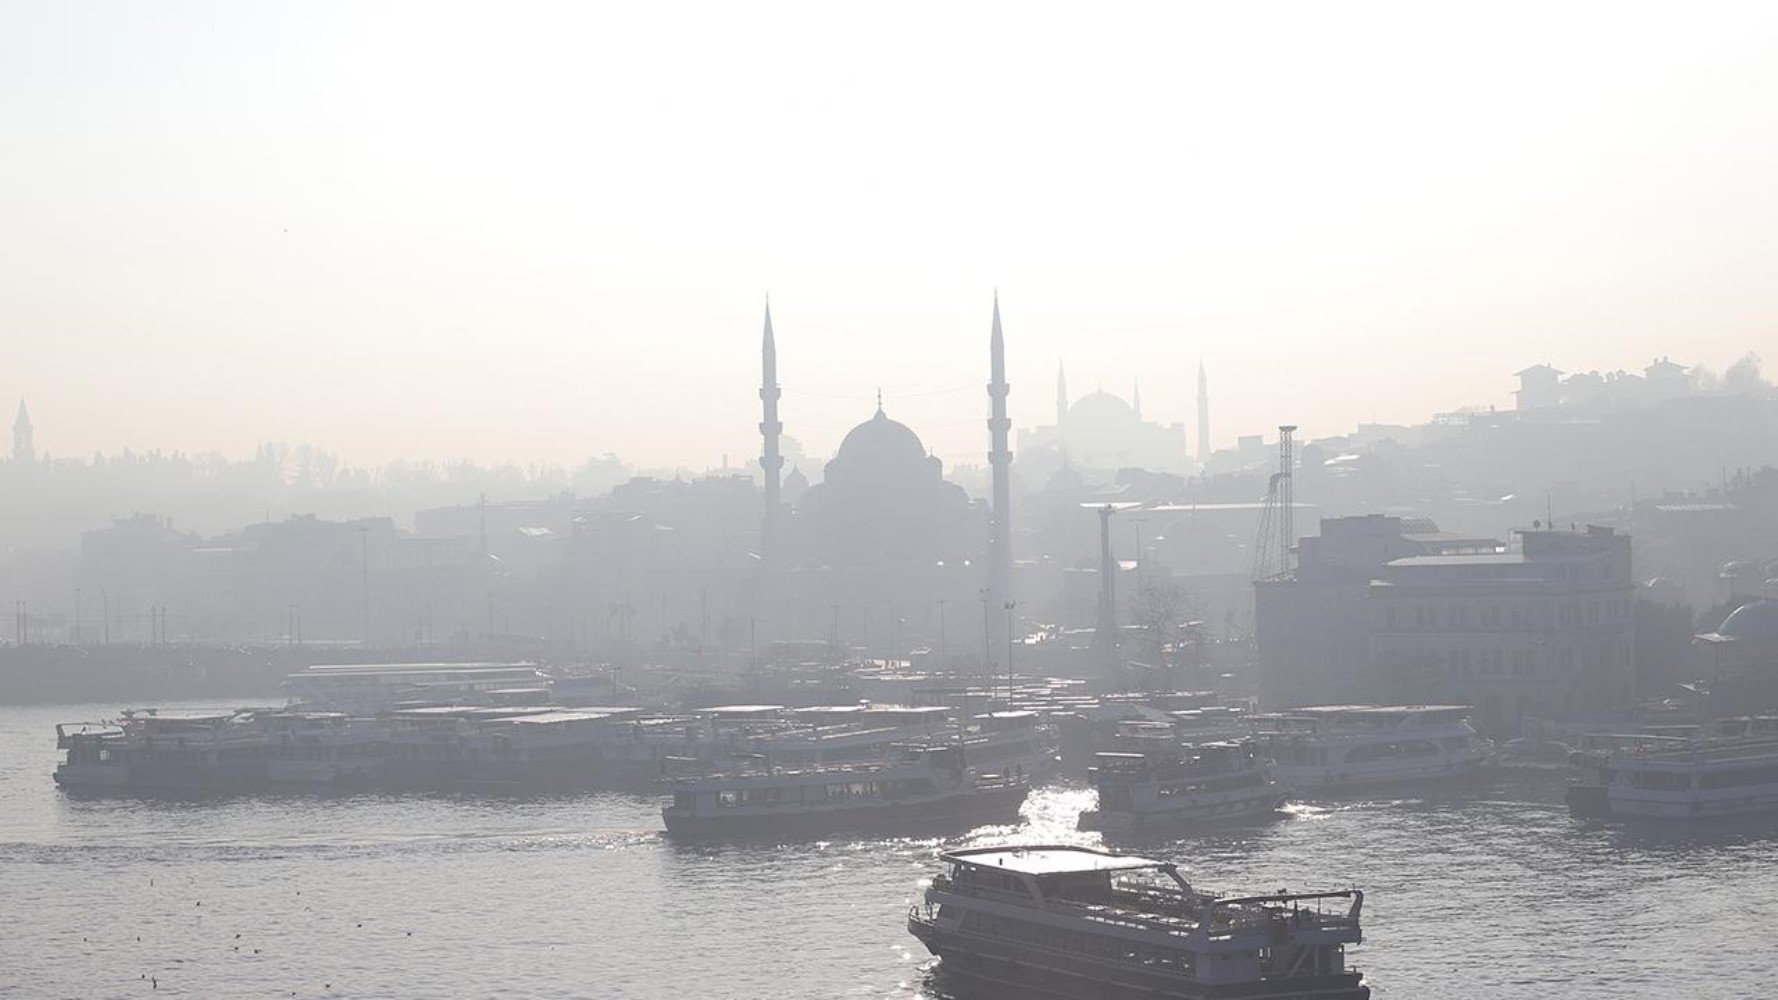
[
  {"x": 496, "y": 747},
  {"x": 1709, "y": 779},
  {"x": 323, "y": 750},
  {"x": 195, "y": 753},
  {"x": 1204, "y": 783},
  {"x": 95, "y": 756},
  {"x": 1072, "y": 922},
  {"x": 1337, "y": 745},
  {"x": 1014, "y": 742},
  {"x": 931, "y": 786},
  {"x": 364, "y": 689}
]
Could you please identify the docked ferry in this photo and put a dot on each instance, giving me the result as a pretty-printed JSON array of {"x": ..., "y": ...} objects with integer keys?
[
  {"x": 1705, "y": 780},
  {"x": 1071, "y": 921},
  {"x": 323, "y": 750},
  {"x": 1216, "y": 782},
  {"x": 195, "y": 753},
  {"x": 929, "y": 787},
  {"x": 95, "y": 756},
  {"x": 1337, "y": 745}
]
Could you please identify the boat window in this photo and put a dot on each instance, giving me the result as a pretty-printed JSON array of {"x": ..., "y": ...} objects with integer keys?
[{"x": 1740, "y": 777}]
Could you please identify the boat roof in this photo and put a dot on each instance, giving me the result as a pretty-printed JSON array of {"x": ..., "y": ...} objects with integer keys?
[
  {"x": 1379, "y": 711},
  {"x": 1049, "y": 860},
  {"x": 179, "y": 715},
  {"x": 336, "y": 669},
  {"x": 566, "y": 716}
]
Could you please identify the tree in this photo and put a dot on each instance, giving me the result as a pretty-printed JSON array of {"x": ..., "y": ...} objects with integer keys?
[
  {"x": 1744, "y": 377},
  {"x": 1159, "y": 606}
]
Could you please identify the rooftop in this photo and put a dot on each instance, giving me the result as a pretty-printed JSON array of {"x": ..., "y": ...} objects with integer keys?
[{"x": 1471, "y": 559}]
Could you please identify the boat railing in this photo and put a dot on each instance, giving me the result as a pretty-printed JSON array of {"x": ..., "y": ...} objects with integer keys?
[{"x": 1223, "y": 918}]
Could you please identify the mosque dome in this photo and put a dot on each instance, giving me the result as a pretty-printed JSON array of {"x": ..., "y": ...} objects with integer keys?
[
  {"x": 1754, "y": 622},
  {"x": 881, "y": 443},
  {"x": 1101, "y": 407}
]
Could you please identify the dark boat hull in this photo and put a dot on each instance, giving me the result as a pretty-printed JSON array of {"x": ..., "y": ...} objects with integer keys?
[{"x": 1014, "y": 970}]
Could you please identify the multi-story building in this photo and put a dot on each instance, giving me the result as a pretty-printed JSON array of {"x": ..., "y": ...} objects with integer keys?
[
  {"x": 1546, "y": 629},
  {"x": 1314, "y": 624}
]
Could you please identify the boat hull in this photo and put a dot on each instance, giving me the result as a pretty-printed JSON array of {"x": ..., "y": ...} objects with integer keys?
[
  {"x": 1024, "y": 970},
  {"x": 1597, "y": 802},
  {"x": 93, "y": 777},
  {"x": 973, "y": 808},
  {"x": 1316, "y": 777}
]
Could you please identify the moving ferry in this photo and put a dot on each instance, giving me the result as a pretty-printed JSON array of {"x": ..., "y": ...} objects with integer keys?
[
  {"x": 1190, "y": 785},
  {"x": 1335, "y": 745},
  {"x": 929, "y": 787},
  {"x": 1074, "y": 922},
  {"x": 1705, "y": 780}
]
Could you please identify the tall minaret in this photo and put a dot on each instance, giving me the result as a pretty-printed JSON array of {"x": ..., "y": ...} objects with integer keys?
[
  {"x": 1000, "y": 459},
  {"x": 22, "y": 449},
  {"x": 1203, "y": 414},
  {"x": 1061, "y": 396},
  {"x": 1136, "y": 396},
  {"x": 771, "y": 461}
]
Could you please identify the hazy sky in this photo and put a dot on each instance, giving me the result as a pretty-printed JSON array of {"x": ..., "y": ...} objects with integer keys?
[{"x": 538, "y": 232}]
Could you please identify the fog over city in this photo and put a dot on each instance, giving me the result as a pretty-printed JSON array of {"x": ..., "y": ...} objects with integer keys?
[
  {"x": 439, "y": 231},
  {"x": 794, "y": 500}
]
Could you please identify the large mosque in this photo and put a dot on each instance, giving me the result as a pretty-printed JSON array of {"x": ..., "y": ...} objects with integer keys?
[
  {"x": 1102, "y": 433},
  {"x": 883, "y": 536}
]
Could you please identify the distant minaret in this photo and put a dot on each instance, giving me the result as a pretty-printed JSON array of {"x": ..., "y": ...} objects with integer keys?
[
  {"x": 1000, "y": 458},
  {"x": 771, "y": 460},
  {"x": 1203, "y": 414},
  {"x": 22, "y": 449},
  {"x": 1136, "y": 396},
  {"x": 1061, "y": 396}
]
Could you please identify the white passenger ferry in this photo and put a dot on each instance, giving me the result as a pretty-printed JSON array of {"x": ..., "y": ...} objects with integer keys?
[
  {"x": 1705, "y": 780},
  {"x": 931, "y": 787},
  {"x": 1334, "y": 745},
  {"x": 1184, "y": 786},
  {"x": 1074, "y": 922},
  {"x": 1013, "y": 742}
]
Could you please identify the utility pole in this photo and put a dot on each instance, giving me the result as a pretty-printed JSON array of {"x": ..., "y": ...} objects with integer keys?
[
  {"x": 987, "y": 640},
  {"x": 1136, "y": 522},
  {"x": 1009, "y": 645},
  {"x": 364, "y": 576},
  {"x": 105, "y": 598},
  {"x": 76, "y": 636},
  {"x": 941, "y": 632}
]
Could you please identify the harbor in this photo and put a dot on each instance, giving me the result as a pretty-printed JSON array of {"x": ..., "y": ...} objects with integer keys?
[{"x": 587, "y": 895}]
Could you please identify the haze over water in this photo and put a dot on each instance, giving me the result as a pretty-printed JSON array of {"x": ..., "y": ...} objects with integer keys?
[{"x": 1489, "y": 889}]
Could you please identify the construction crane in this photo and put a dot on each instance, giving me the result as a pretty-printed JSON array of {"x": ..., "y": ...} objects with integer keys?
[{"x": 1277, "y": 521}]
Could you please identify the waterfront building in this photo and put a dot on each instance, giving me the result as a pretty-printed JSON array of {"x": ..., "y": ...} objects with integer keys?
[{"x": 1545, "y": 629}]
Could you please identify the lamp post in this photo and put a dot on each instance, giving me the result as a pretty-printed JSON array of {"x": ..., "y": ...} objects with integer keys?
[
  {"x": 1009, "y": 643},
  {"x": 941, "y": 632},
  {"x": 987, "y": 640}
]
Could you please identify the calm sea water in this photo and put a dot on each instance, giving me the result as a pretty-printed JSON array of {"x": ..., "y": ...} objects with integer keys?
[{"x": 1488, "y": 890}]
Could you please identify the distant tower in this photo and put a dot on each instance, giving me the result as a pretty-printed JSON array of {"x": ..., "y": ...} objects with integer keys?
[
  {"x": 1136, "y": 396},
  {"x": 22, "y": 449},
  {"x": 771, "y": 461},
  {"x": 1203, "y": 414},
  {"x": 1000, "y": 458}
]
